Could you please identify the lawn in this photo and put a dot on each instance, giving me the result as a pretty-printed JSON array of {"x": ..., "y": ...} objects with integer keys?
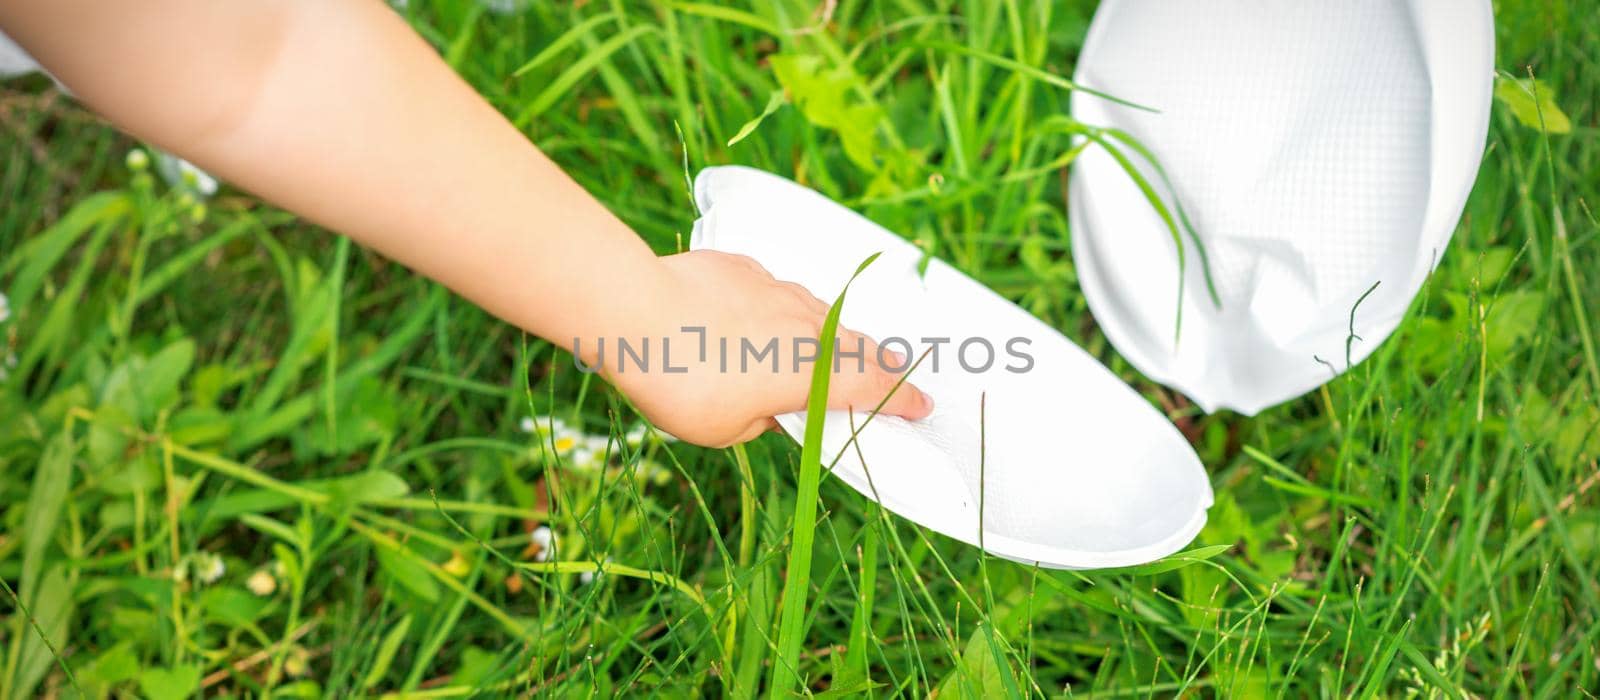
[{"x": 242, "y": 456}]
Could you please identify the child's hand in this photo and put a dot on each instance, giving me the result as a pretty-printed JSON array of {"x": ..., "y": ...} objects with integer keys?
[{"x": 729, "y": 396}]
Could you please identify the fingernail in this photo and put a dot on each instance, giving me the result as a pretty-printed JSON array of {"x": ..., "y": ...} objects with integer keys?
[{"x": 897, "y": 361}]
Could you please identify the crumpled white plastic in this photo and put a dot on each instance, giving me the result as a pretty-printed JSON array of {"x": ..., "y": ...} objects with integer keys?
[
  {"x": 1072, "y": 468},
  {"x": 1317, "y": 148}
]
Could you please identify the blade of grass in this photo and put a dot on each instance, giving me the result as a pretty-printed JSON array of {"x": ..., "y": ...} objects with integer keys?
[{"x": 785, "y": 676}]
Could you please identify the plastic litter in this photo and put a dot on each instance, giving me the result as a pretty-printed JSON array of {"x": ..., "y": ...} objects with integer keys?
[
  {"x": 1071, "y": 467},
  {"x": 1318, "y": 149}
]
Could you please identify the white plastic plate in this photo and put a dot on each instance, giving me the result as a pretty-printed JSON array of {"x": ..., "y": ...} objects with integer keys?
[
  {"x": 1076, "y": 469},
  {"x": 1318, "y": 149}
]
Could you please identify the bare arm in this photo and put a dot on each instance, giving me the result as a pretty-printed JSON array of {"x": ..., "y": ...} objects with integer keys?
[{"x": 336, "y": 110}]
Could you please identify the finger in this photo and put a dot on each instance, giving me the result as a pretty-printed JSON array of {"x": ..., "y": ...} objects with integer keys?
[
  {"x": 753, "y": 431},
  {"x": 748, "y": 263},
  {"x": 862, "y": 389},
  {"x": 806, "y": 299}
]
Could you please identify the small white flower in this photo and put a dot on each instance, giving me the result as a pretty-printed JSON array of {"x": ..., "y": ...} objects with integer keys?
[
  {"x": 635, "y": 435},
  {"x": 5, "y": 308},
  {"x": 546, "y": 541},
  {"x": 587, "y": 577},
  {"x": 261, "y": 583},
  {"x": 183, "y": 175},
  {"x": 565, "y": 440},
  {"x": 209, "y": 567},
  {"x": 590, "y": 454},
  {"x": 583, "y": 459},
  {"x": 543, "y": 425}
]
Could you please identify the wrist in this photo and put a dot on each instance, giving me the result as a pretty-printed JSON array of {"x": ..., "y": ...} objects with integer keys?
[{"x": 631, "y": 298}]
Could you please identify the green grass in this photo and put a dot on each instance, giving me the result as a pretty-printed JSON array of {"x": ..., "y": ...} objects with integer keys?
[{"x": 247, "y": 387}]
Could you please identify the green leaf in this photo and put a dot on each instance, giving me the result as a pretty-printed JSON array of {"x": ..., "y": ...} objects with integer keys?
[
  {"x": 208, "y": 384},
  {"x": 308, "y": 689},
  {"x": 980, "y": 674},
  {"x": 52, "y": 609},
  {"x": 826, "y": 97},
  {"x": 410, "y": 574},
  {"x": 1487, "y": 266},
  {"x": 477, "y": 664},
  {"x": 50, "y": 483},
  {"x": 366, "y": 487},
  {"x": 40, "y": 255},
  {"x": 774, "y": 101},
  {"x": 268, "y": 526},
  {"x": 158, "y": 380},
  {"x": 173, "y": 683},
  {"x": 386, "y": 651},
  {"x": 199, "y": 425},
  {"x": 1533, "y": 103},
  {"x": 1512, "y": 317},
  {"x": 113, "y": 666},
  {"x": 365, "y": 414},
  {"x": 231, "y": 606}
]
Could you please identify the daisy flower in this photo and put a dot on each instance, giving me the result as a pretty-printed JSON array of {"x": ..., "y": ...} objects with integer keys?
[
  {"x": 591, "y": 452},
  {"x": 545, "y": 539},
  {"x": 565, "y": 440},
  {"x": 587, "y": 577},
  {"x": 543, "y": 425},
  {"x": 636, "y": 435},
  {"x": 208, "y": 567}
]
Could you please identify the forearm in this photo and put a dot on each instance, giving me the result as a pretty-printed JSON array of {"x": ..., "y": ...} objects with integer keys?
[{"x": 336, "y": 110}]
